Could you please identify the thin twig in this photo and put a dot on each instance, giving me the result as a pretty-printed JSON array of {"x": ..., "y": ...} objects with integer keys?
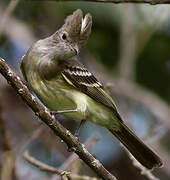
[
  {"x": 40, "y": 165},
  {"x": 51, "y": 169},
  {"x": 43, "y": 113},
  {"x": 152, "y": 2}
]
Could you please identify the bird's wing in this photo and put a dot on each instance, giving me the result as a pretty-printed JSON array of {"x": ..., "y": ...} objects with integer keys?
[{"x": 78, "y": 76}]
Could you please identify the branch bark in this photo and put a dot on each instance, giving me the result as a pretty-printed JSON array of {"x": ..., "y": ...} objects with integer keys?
[
  {"x": 73, "y": 157},
  {"x": 152, "y": 2},
  {"x": 42, "y": 112}
]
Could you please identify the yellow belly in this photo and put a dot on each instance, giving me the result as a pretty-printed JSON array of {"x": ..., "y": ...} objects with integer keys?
[{"x": 57, "y": 94}]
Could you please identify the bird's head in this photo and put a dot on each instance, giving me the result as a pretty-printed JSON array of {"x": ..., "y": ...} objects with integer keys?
[{"x": 73, "y": 35}]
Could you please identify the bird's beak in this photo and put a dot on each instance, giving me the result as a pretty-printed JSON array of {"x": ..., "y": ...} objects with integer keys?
[{"x": 75, "y": 48}]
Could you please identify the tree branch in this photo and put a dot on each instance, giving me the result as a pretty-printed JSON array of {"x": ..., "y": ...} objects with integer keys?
[
  {"x": 42, "y": 166},
  {"x": 43, "y": 113},
  {"x": 73, "y": 157},
  {"x": 51, "y": 169},
  {"x": 152, "y": 2}
]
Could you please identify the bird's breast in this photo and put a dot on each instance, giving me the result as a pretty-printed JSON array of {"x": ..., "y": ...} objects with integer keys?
[{"x": 56, "y": 94}]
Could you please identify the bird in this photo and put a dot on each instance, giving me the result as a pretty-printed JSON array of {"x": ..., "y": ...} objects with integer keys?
[{"x": 53, "y": 72}]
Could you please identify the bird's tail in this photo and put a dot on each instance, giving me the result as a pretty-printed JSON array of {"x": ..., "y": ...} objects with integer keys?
[{"x": 137, "y": 148}]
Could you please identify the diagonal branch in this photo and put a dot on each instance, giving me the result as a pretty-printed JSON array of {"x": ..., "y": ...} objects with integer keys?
[
  {"x": 43, "y": 113},
  {"x": 73, "y": 157}
]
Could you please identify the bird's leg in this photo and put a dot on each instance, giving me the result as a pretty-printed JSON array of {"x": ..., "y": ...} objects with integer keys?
[
  {"x": 63, "y": 111},
  {"x": 79, "y": 127}
]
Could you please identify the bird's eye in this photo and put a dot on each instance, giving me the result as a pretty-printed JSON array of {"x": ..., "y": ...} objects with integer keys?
[{"x": 64, "y": 36}]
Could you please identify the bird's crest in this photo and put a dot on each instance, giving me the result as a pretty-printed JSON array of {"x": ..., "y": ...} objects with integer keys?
[{"x": 77, "y": 27}]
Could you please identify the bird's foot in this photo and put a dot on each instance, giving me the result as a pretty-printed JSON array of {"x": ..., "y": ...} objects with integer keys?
[
  {"x": 77, "y": 132},
  {"x": 63, "y": 111}
]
